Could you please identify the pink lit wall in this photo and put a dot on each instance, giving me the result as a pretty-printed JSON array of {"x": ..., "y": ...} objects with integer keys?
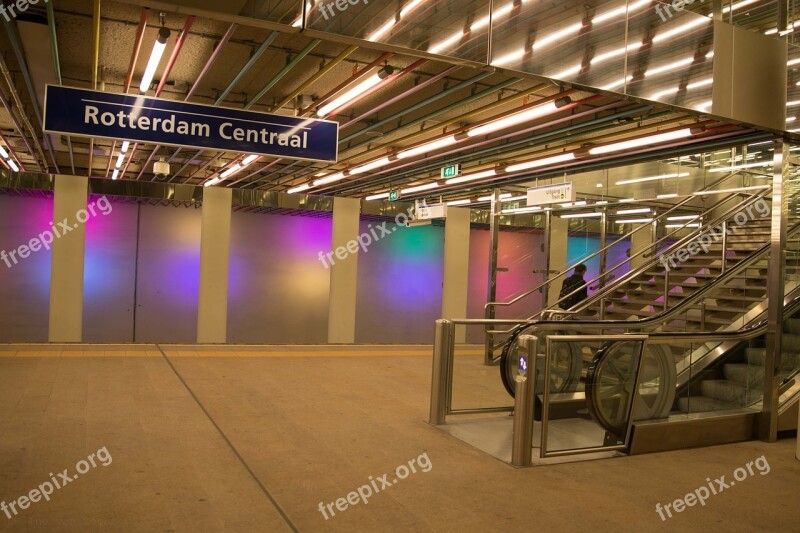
[{"x": 24, "y": 286}]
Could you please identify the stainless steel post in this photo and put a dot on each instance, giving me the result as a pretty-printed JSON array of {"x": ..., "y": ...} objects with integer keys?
[
  {"x": 546, "y": 241},
  {"x": 491, "y": 293},
  {"x": 724, "y": 245},
  {"x": 768, "y": 422},
  {"x": 603, "y": 238},
  {"x": 522, "y": 438},
  {"x": 443, "y": 348}
]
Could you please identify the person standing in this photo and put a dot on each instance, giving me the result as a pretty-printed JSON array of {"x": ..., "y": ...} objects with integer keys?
[{"x": 570, "y": 286}]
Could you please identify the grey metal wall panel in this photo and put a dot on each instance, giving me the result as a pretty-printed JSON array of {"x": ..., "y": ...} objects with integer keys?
[
  {"x": 25, "y": 286},
  {"x": 278, "y": 290},
  {"x": 400, "y": 286},
  {"x": 110, "y": 274},
  {"x": 168, "y": 275}
]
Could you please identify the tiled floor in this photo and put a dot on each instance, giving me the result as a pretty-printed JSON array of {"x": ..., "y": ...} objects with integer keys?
[{"x": 302, "y": 429}]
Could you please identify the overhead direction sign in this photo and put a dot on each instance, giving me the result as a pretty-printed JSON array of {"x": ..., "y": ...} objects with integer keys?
[
  {"x": 551, "y": 194},
  {"x": 157, "y": 121}
]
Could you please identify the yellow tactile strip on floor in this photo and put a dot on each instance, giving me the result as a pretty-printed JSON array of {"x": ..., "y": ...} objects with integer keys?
[{"x": 232, "y": 351}]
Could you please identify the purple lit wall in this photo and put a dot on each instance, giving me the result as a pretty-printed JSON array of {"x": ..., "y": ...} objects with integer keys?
[
  {"x": 400, "y": 286},
  {"x": 278, "y": 290},
  {"x": 110, "y": 274},
  {"x": 25, "y": 287},
  {"x": 168, "y": 274},
  {"x": 580, "y": 247}
]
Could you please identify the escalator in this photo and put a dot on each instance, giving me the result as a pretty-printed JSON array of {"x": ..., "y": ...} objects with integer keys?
[{"x": 703, "y": 363}]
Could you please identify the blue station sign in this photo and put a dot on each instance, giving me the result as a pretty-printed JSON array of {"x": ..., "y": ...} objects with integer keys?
[{"x": 157, "y": 121}]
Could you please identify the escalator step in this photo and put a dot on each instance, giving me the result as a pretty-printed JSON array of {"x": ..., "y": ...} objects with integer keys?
[
  {"x": 744, "y": 374},
  {"x": 702, "y": 404},
  {"x": 728, "y": 391}
]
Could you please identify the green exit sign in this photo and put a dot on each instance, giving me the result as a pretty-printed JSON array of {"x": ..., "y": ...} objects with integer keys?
[
  {"x": 394, "y": 196},
  {"x": 451, "y": 171}
]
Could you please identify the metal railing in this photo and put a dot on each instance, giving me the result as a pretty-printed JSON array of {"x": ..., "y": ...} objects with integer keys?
[{"x": 601, "y": 295}]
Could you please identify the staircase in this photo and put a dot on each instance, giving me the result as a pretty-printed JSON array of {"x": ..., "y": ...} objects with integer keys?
[
  {"x": 643, "y": 295},
  {"x": 738, "y": 382}
]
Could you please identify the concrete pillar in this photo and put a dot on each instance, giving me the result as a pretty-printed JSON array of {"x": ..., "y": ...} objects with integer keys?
[
  {"x": 67, "y": 260},
  {"x": 215, "y": 246},
  {"x": 344, "y": 272},
  {"x": 559, "y": 230},
  {"x": 456, "y": 268}
]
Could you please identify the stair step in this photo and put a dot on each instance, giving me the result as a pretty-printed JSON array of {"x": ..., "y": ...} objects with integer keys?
[
  {"x": 744, "y": 374},
  {"x": 702, "y": 404},
  {"x": 756, "y": 356},
  {"x": 728, "y": 391}
]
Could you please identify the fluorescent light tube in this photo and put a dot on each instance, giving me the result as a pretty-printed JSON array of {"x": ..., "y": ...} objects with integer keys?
[
  {"x": 680, "y": 30},
  {"x": 3, "y": 153},
  {"x": 231, "y": 171},
  {"x": 541, "y": 162},
  {"x": 120, "y": 159},
  {"x": 370, "y": 166},
  {"x": 115, "y": 175},
  {"x": 460, "y": 202},
  {"x": 383, "y": 30},
  {"x": 379, "y": 196},
  {"x": 13, "y": 165},
  {"x": 471, "y": 177},
  {"x": 635, "y": 221},
  {"x": 555, "y": 36},
  {"x": 682, "y": 226},
  {"x": 513, "y": 120},
  {"x": 155, "y": 59},
  {"x": 642, "y": 141},
  {"x": 582, "y": 215},
  {"x": 503, "y": 196},
  {"x": 653, "y": 178},
  {"x": 125, "y": 146},
  {"x": 299, "y": 188},
  {"x": 362, "y": 87},
  {"x": 665, "y": 196},
  {"x": 669, "y": 67},
  {"x": 427, "y": 147},
  {"x": 683, "y": 217},
  {"x": 740, "y": 167},
  {"x": 509, "y": 58},
  {"x": 420, "y": 188},
  {"x": 329, "y": 179},
  {"x": 249, "y": 159},
  {"x": 634, "y": 211},
  {"x": 520, "y": 210}
]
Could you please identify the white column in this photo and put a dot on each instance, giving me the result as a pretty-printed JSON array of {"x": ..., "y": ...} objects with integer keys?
[
  {"x": 456, "y": 268},
  {"x": 67, "y": 260},
  {"x": 215, "y": 246},
  {"x": 344, "y": 272}
]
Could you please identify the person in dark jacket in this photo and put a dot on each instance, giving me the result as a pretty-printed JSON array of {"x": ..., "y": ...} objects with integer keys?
[{"x": 572, "y": 284}]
